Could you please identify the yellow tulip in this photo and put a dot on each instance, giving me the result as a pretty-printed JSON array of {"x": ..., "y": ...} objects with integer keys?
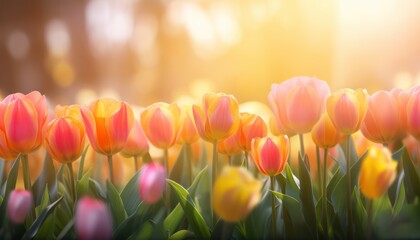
[
  {"x": 236, "y": 193},
  {"x": 324, "y": 133},
  {"x": 377, "y": 173}
]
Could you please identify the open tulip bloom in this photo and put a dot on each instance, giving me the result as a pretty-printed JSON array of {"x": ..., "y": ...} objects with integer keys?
[{"x": 357, "y": 176}]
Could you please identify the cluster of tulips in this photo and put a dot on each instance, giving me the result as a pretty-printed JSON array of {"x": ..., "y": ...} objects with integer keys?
[{"x": 236, "y": 188}]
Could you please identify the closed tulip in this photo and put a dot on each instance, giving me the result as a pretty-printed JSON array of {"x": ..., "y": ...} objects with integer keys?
[
  {"x": 136, "y": 144},
  {"x": 383, "y": 122},
  {"x": 219, "y": 117},
  {"x": 229, "y": 146},
  {"x": 152, "y": 183},
  {"x": 22, "y": 120},
  {"x": 324, "y": 133},
  {"x": 108, "y": 123},
  {"x": 347, "y": 108},
  {"x": 19, "y": 205},
  {"x": 65, "y": 139},
  {"x": 187, "y": 130},
  {"x": 377, "y": 173},
  {"x": 270, "y": 154},
  {"x": 413, "y": 113},
  {"x": 160, "y": 124},
  {"x": 72, "y": 111},
  {"x": 93, "y": 219},
  {"x": 298, "y": 103},
  {"x": 236, "y": 193}
]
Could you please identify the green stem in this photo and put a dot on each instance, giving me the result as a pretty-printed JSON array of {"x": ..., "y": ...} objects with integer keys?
[
  {"x": 82, "y": 164},
  {"x": 111, "y": 168},
  {"x": 348, "y": 190},
  {"x": 72, "y": 183},
  {"x": 189, "y": 161},
  {"x": 214, "y": 175},
  {"x": 370, "y": 222},
  {"x": 273, "y": 210},
  {"x": 26, "y": 174},
  {"x": 318, "y": 164},
  {"x": 324, "y": 192},
  {"x": 302, "y": 146},
  {"x": 230, "y": 160},
  {"x": 168, "y": 194},
  {"x": 246, "y": 159},
  {"x": 136, "y": 164}
]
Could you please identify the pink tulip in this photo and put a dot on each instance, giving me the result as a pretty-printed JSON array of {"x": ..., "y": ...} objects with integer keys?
[
  {"x": 93, "y": 219},
  {"x": 136, "y": 144},
  {"x": 22, "y": 120},
  {"x": 152, "y": 183},
  {"x": 270, "y": 154},
  {"x": 413, "y": 112},
  {"x": 20, "y": 203},
  {"x": 298, "y": 103}
]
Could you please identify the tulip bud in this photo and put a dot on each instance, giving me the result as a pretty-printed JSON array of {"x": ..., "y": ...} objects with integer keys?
[
  {"x": 108, "y": 123},
  {"x": 324, "y": 133},
  {"x": 152, "y": 183},
  {"x": 20, "y": 203},
  {"x": 298, "y": 103},
  {"x": 377, "y": 173},
  {"x": 219, "y": 117},
  {"x": 160, "y": 124},
  {"x": 270, "y": 154},
  {"x": 93, "y": 219},
  {"x": 187, "y": 131},
  {"x": 347, "y": 108},
  {"x": 235, "y": 193}
]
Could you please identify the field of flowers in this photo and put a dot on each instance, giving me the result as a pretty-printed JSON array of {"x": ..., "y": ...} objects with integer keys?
[{"x": 322, "y": 165}]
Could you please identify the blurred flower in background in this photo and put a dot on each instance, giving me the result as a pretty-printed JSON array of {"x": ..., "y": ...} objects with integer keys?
[{"x": 143, "y": 51}]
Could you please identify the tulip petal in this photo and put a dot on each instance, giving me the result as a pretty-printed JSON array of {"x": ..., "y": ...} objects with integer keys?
[{"x": 90, "y": 126}]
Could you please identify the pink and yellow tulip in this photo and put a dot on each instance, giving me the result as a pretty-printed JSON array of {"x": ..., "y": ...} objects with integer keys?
[{"x": 270, "y": 154}]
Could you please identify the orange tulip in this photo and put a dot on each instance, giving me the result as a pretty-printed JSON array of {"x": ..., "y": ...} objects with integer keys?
[
  {"x": 22, "y": 120},
  {"x": 251, "y": 126},
  {"x": 160, "y": 123},
  {"x": 383, "y": 122},
  {"x": 65, "y": 139},
  {"x": 324, "y": 133},
  {"x": 413, "y": 113},
  {"x": 108, "y": 123},
  {"x": 219, "y": 117},
  {"x": 298, "y": 103},
  {"x": 187, "y": 130},
  {"x": 377, "y": 173},
  {"x": 270, "y": 154},
  {"x": 136, "y": 144},
  {"x": 347, "y": 108}
]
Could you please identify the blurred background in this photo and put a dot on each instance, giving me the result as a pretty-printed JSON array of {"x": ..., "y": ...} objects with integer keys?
[{"x": 144, "y": 51}]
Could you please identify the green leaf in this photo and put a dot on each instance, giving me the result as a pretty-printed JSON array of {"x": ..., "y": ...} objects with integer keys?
[
  {"x": 44, "y": 202},
  {"x": 96, "y": 190},
  {"x": 182, "y": 235},
  {"x": 306, "y": 196},
  {"x": 66, "y": 230},
  {"x": 173, "y": 220},
  {"x": 82, "y": 185},
  {"x": 293, "y": 206},
  {"x": 292, "y": 188},
  {"x": 411, "y": 179},
  {"x": 399, "y": 202},
  {"x": 46, "y": 177},
  {"x": 82, "y": 163},
  {"x": 2, "y": 167},
  {"x": 333, "y": 182},
  {"x": 257, "y": 223},
  {"x": 130, "y": 194},
  {"x": 222, "y": 230},
  {"x": 33, "y": 230},
  {"x": 197, "y": 222},
  {"x": 360, "y": 214},
  {"x": 397, "y": 155},
  {"x": 131, "y": 225},
  {"x": 115, "y": 204}
]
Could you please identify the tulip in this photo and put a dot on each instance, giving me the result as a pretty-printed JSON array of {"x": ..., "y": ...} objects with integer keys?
[
  {"x": 19, "y": 205},
  {"x": 22, "y": 121},
  {"x": 347, "y": 108},
  {"x": 298, "y": 103},
  {"x": 72, "y": 111},
  {"x": 229, "y": 146},
  {"x": 160, "y": 123},
  {"x": 187, "y": 131},
  {"x": 270, "y": 154},
  {"x": 413, "y": 113},
  {"x": 377, "y": 173},
  {"x": 324, "y": 133},
  {"x": 383, "y": 122},
  {"x": 93, "y": 219},
  {"x": 219, "y": 117},
  {"x": 236, "y": 193},
  {"x": 136, "y": 145},
  {"x": 152, "y": 183},
  {"x": 65, "y": 139},
  {"x": 108, "y": 123}
]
